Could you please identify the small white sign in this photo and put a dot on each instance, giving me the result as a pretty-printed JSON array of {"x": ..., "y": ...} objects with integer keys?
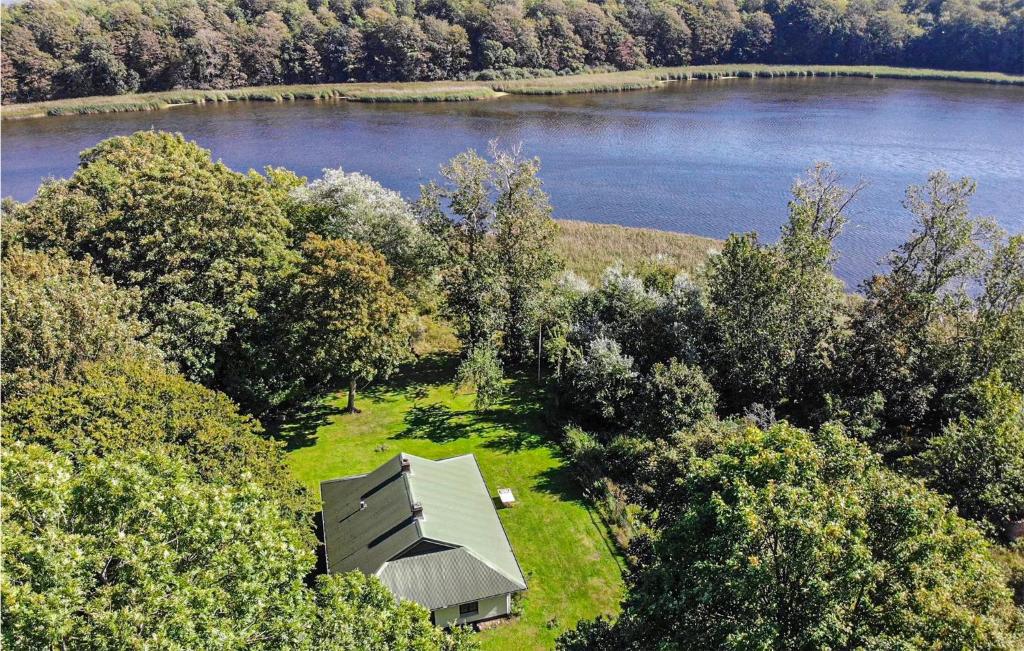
[{"x": 506, "y": 497}]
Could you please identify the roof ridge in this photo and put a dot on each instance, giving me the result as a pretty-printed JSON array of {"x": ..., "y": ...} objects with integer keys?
[
  {"x": 490, "y": 565},
  {"x": 411, "y": 495},
  {"x": 348, "y": 478}
]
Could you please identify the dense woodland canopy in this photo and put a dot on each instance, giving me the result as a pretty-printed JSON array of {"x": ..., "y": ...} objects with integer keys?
[
  {"x": 73, "y": 48},
  {"x": 830, "y": 469}
]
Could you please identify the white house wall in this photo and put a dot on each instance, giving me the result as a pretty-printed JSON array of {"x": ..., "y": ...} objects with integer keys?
[{"x": 489, "y": 607}]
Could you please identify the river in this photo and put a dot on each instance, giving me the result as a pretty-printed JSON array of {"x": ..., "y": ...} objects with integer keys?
[{"x": 699, "y": 157}]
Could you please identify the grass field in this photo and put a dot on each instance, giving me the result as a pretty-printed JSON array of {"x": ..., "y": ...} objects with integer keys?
[
  {"x": 442, "y": 91},
  {"x": 588, "y": 249},
  {"x": 569, "y": 562}
]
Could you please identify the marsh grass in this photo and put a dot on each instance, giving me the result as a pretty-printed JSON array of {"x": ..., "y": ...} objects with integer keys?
[
  {"x": 411, "y": 92},
  {"x": 588, "y": 249},
  {"x": 458, "y": 91}
]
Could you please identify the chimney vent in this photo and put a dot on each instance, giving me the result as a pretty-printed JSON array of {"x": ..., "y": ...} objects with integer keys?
[
  {"x": 362, "y": 504},
  {"x": 417, "y": 510},
  {"x": 406, "y": 465}
]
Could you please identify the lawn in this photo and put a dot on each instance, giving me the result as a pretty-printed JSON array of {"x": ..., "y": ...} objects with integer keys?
[{"x": 570, "y": 565}]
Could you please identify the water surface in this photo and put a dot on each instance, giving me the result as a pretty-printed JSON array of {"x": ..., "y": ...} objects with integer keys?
[{"x": 698, "y": 157}]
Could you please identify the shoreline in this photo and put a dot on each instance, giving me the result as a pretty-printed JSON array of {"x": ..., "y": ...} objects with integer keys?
[{"x": 456, "y": 91}]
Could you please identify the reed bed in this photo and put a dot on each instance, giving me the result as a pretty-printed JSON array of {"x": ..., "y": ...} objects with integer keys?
[
  {"x": 588, "y": 249},
  {"x": 597, "y": 83},
  {"x": 457, "y": 91},
  {"x": 400, "y": 95}
]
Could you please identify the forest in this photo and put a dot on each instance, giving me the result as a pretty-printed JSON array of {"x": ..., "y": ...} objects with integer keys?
[
  {"x": 787, "y": 463},
  {"x": 55, "y": 49}
]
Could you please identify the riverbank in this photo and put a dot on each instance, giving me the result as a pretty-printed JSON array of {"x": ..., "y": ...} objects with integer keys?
[{"x": 451, "y": 91}]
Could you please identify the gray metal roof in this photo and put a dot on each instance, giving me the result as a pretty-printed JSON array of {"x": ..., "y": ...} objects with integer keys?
[
  {"x": 455, "y": 552},
  {"x": 445, "y": 578}
]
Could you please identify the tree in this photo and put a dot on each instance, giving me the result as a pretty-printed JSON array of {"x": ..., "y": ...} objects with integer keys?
[
  {"x": 355, "y": 207},
  {"x": 774, "y": 313},
  {"x": 624, "y": 309},
  {"x": 344, "y": 318},
  {"x": 463, "y": 229},
  {"x": 135, "y": 549},
  {"x": 97, "y": 70},
  {"x": 505, "y": 38},
  {"x": 806, "y": 542},
  {"x": 714, "y": 26},
  {"x": 355, "y": 611},
  {"x": 754, "y": 38},
  {"x": 395, "y": 47},
  {"x": 198, "y": 240},
  {"x": 481, "y": 371},
  {"x": 978, "y": 459},
  {"x": 673, "y": 397},
  {"x": 260, "y": 47},
  {"x": 997, "y": 335},
  {"x": 523, "y": 236},
  {"x": 447, "y": 48},
  {"x": 601, "y": 381},
  {"x": 58, "y": 316},
  {"x": 669, "y": 39},
  {"x": 127, "y": 405},
  {"x": 901, "y": 346},
  {"x": 560, "y": 47}
]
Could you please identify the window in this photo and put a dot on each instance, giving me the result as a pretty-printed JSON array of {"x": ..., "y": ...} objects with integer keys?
[{"x": 472, "y": 608}]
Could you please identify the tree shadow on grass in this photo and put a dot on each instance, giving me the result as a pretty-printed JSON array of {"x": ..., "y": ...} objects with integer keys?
[
  {"x": 514, "y": 424},
  {"x": 298, "y": 427},
  {"x": 560, "y": 482},
  {"x": 438, "y": 423},
  {"x": 415, "y": 380}
]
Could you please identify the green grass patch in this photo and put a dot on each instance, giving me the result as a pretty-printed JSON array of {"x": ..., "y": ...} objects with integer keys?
[
  {"x": 569, "y": 561},
  {"x": 448, "y": 91}
]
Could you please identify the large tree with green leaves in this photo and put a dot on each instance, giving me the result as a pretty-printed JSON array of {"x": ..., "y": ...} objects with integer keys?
[
  {"x": 774, "y": 313},
  {"x": 155, "y": 212},
  {"x": 978, "y": 458},
  {"x": 136, "y": 550},
  {"x": 58, "y": 315},
  {"x": 523, "y": 235},
  {"x": 782, "y": 539},
  {"x": 126, "y": 405},
  {"x": 352, "y": 206},
  {"x": 353, "y": 323},
  {"x": 459, "y": 214},
  {"x": 493, "y": 225},
  {"x": 912, "y": 336},
  {"x": 333, "y": 317}
]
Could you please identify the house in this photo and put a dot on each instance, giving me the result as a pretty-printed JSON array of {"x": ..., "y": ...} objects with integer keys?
[{"x": 429, "y": 531}]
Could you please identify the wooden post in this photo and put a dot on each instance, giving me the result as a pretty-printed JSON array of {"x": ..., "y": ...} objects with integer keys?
[{"x": 540, "y": 340}]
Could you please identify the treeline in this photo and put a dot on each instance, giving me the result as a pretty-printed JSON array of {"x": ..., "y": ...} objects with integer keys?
[
  {"x": 772, "y": 450},
  {"x": 827, "y": 470},
  {"x": 72, "y": 48}
]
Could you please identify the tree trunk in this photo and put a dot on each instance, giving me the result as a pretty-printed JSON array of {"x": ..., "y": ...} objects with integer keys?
[{"x": 352, "y": 397}]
